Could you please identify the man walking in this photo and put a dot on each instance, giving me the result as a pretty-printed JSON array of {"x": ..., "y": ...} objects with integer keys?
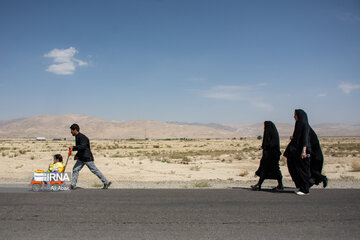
[{"x": 84, "y": 157}]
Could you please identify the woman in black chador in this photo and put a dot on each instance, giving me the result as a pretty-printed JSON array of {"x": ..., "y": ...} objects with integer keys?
[
  {"x": 316, "y": 160},
  {"x": 297, "y": 154},
  {"x": 269, "y": 163}
]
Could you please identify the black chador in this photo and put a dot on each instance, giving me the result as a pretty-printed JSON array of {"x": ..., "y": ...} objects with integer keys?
[
  {"x": 269, "y": 163},
  {"x": 316, "y": 160},
  {"x": 297, "y": 159}
]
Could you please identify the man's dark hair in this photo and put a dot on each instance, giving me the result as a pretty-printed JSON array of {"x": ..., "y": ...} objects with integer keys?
[
  {"x": 75, "y": 127},
  {"x": 58, "y": 157}
]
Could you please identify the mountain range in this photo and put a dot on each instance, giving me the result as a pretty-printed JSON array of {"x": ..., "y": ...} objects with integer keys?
[{"x": 57, "y": 126}]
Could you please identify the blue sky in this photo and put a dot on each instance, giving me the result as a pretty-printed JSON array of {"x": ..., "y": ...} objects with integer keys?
[{"x": 190, "y": 60}]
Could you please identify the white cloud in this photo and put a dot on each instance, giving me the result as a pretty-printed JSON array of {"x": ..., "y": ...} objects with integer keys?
[
  {"x": 263, "y": 84},
  {"x": 321, "y": 95},
  {"x": 224, "y": 96},
  {"x": 64, "y": 61},
  {"x": 247, "y": 94},
  {"x": 348, "y": 87},
  {"x": 81, "y": 63},
  {"x": 66, "y": 68},
  {"x": 225, "y": 92},
  {"x": 196, "y": 79},
  {"x": 229, "y": 87},
  {"x": 265, "y": 106},
  {"x": 347, "y": 17}
]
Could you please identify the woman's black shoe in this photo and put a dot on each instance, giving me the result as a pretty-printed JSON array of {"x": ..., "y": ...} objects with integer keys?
[
  {"x": 278, "y": 188},
  {"x": 325, "y": 182},
  {"x": 256, "y": 187}
]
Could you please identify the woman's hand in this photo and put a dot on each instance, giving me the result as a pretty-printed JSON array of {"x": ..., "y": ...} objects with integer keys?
[{"x": 303, "y": 153}]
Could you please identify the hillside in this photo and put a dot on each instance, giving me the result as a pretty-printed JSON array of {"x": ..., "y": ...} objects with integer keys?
[{"x": 56, "y": 126}]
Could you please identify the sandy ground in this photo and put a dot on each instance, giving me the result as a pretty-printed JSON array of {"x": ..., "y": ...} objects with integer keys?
[{"x": 174, "y": 163}]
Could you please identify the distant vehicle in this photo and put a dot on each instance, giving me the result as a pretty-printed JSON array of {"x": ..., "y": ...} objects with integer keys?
[
  {"x": 59, "y": 139},
  {"x": 40, "y": 139}
]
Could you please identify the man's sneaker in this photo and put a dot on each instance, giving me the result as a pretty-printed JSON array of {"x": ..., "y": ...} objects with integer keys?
[
  {"x": 106, "y": 186},
  {"x": 72, "y": 187}
]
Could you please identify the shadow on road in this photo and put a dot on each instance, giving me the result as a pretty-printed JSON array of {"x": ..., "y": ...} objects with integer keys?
[{"x": 286, "y": 190}]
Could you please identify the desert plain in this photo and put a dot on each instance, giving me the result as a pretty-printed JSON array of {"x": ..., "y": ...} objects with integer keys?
[{"x": 174, "y": 163}]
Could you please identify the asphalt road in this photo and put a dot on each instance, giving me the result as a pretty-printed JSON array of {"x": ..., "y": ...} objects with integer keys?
[{"x": 179, "y": 214}]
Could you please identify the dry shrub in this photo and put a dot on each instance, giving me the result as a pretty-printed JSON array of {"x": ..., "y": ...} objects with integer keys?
[
  {"x": 355, "y": 166},
  {"x": 195, "y": 168},
  {"x": 282, "y": 161},
  {"x": 185, "y": 160},
  {"x": 238, "y": 156},
  {"x": 244, "y": 173},
  {"x": 203, "y": 184},
  {"x": 344, "y": 177},
  {"x": 97, "y": 185}
]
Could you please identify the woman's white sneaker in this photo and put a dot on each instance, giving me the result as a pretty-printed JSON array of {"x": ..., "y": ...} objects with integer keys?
[{"x": 300, "y": 193}]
